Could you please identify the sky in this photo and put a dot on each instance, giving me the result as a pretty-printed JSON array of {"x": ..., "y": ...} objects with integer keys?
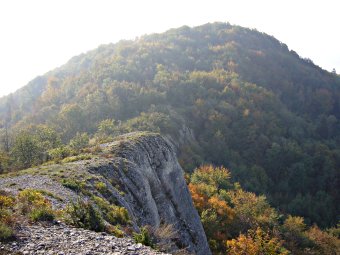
[{"x": 37, "y": 36}]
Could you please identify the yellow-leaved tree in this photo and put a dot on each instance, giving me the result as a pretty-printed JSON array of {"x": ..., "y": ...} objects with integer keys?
[{"x": 256, "y": 242}]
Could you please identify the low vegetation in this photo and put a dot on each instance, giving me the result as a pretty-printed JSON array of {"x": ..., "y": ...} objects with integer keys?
[
  {"x": 33, "y": 205},
  {"x": 83, "y": 214},
  {"x": 29, "y": 204},
  {"x": 143, "y": 237},
  {"x": 6, "y": 218}
]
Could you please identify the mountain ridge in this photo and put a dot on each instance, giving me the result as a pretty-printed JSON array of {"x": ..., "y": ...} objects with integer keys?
[
  {"x": 83, "y": 60},
  {"x": 246, "y": 100}
]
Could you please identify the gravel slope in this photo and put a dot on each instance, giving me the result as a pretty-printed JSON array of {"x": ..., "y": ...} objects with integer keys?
[{"x": 65, "y": 240}]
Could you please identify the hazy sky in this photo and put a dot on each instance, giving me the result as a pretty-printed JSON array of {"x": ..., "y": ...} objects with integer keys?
[{"x": 40, "y": 35}]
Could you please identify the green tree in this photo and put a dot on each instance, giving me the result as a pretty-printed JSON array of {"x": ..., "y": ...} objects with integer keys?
[
  {"x": 71, "y": 120},
  {"x": 26, "y": 149},
  {"x": 80, "y": 141}
]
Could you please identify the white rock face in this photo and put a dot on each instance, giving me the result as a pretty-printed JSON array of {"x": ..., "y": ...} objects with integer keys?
[{"x": 146, "y": 169}]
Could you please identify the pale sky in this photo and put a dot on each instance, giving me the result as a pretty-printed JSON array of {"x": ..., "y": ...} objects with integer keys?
[{"x": 37, "y": 36}]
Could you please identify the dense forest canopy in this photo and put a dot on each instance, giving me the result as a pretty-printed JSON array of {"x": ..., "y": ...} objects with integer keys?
[{"x": 224, "y": 94}]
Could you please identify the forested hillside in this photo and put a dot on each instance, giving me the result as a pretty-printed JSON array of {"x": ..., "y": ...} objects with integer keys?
[{"x": 226, "y": 95}]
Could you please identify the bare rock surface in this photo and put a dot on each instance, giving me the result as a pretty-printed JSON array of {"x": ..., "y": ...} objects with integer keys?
[{"x": 146, "y": 169}]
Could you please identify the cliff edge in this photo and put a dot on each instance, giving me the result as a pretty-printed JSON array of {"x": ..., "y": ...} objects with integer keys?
[
  {"x": 138, "y": 171},
  {"x": 146, "y": 169}
]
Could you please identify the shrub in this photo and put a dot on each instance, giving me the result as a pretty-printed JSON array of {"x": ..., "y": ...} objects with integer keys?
[
  {"x": 5, "y": 232},
  {"x": 74, "y": 185},
  {"x": 335, "y": 231},
  {"x": 6, "y": 201},
  {"x": 60, "y": 153},
  {"x": 117, "y": 215},
  {"x": 76, "y": 158},
  {"x": 115, "y": 230},
  {"x": 164, "y": 236},
  {"x": 42, "y": 214},
  {"x": 112, "y": 213},
  {"x": 35, "y": 205},
  {"x": 83, "y": 214},
  {"x": 101, "y": 187},
  {"x": 80, "y": 141},
  {"x": 103, "y": 205},
  {"x": 29, "y": 199},
  {"x": 143, "y": 237},
  {"x": 6, "y": 216}
]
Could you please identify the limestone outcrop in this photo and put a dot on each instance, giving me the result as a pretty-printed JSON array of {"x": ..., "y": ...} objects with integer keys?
[{"x": 146, "y": 170}]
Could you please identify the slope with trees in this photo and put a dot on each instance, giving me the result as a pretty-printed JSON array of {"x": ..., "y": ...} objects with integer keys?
[{"x": 226, "y": 95}]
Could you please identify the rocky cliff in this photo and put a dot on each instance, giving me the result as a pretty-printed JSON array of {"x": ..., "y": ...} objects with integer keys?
[
  {"x": 139, "y": 172},
  {"x": 146, "y": 169}
]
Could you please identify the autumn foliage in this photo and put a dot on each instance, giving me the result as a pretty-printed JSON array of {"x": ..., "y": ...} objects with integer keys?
[
  {"x": 238, "y": 222},
  {"x": 256, "y": 242}
]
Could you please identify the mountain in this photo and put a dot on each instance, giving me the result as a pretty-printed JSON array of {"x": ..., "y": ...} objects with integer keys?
[{"x": 222, "y": 94}]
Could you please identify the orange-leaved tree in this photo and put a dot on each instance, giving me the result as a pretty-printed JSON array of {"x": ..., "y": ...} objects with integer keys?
[{"x": 206, "y": 185}]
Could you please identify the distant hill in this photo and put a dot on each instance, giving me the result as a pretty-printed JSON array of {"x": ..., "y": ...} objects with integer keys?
[{"x": 224, "y": 94}]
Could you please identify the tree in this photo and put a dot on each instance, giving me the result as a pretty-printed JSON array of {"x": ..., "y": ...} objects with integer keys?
[
  {"x": 4, "y": 161},
  {"x": 216, "y": 177},
  {"x": 326, "y": 244},
  {"x": 71, "y": 120},
  {"x": 251, "y": 211},
  {"x": 256, "y": 242},
  {"x": 106, "y": 129},
  {"x": 47, "y": 137},
  {"x": 26, "y": 150},
  {"x": 207, "y": 184},
  {"x": 80, "y": 141}
]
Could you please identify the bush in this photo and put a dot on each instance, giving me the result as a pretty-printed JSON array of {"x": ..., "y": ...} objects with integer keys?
[
  {"x": 83, "y": 214},
  {"x": 80, "y": 141},
  {"x": 112, "y": 213},
  {"x": 165, "y": 236},
  {"x": 101, "y": 187},
  {"x": 116, "y": 231},
  {"x": 60, "y": 153},
  {"x": 35, "y": 205},
  {"x": 6, "y": 216},
  {"x": 76, "y": 158},
  {"x": 71, "y": 184},
  {"x": 143, "y": 237},
  {"x": 42, "y": 214},
  {"x": 118, "y": 215},
  {"x": 5, "y": 232},
  {"x": 6, "y": 201}
]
